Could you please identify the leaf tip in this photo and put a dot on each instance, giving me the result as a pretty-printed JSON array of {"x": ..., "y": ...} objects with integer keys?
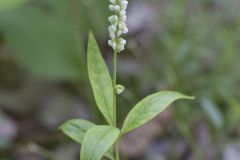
[
  {"x": 90, "y": 34},
  {"x": 188, "y": 97},
  {"x": 192, "y": 97},
  {"x": 183, "y": 96},
  {"x": 61, "y": 127}
]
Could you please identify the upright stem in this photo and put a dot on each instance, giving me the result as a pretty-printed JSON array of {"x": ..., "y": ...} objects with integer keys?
[
  {"x": 115, "y": 101},
  {"x": 117, "y": 150},
  {"x": 114, "y": 88}
]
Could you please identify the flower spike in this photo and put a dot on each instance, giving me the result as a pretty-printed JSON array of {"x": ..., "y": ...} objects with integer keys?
[{"x": 118, "y": 24}]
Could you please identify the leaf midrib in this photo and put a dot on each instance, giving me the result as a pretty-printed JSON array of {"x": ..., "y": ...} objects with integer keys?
[
  {"x": 84, "y": 130},
  {"x": 95, "y": 145}
]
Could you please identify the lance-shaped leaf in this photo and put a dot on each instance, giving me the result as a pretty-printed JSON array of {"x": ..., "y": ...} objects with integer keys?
[
  {"x": 76, "y": 130},
  {"x": 149, "y": 107},
  {"x": 97, "y": 141},
  {"x": 100, "y": 80}
]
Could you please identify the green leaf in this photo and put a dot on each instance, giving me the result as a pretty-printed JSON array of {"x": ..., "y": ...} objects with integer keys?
[
  {"x": 100, "y": 80},
  {"x": 98, "y": 141},
  {"x": 10, "y": 4},
  {"x": 76, "y": 130},
  {"x": 149, "y": 107}
]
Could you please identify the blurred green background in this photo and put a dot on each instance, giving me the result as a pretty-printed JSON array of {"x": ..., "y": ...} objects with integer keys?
[{"x": 191, "y": 46}]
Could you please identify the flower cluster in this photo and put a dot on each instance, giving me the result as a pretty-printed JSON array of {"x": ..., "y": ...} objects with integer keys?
[{"x": 118, "y": 24}]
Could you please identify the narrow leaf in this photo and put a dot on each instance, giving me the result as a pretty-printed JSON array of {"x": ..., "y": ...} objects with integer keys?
[
  {"x": 149, "y": 107},
  {"x": 76, "y": 130},
  {"x": 98, "y": 141},
  {"x": 100, "y": 80}
]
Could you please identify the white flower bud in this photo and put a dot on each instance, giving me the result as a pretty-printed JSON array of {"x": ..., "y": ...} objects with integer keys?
[
  {"x": 111, "y": 7},
  {"x": 120, "y": 48},
  {"x": 112, "y": 35},
  {"x": 122, "y": 41},
  {"x": 112, "y": 28},
  {"x": 110, "y": 43},
  {"x": 121, "y": 25},
  {"x": 119, "y": 33},
  {"x": 125, "y": 30},
  {"x": 124, "y": 18},
  {"x": 124, "y": 4},
  {"x": 123, "y": 13},
  {"x": 119, "y": 89},
  {"x": 114, "y": 45},
  {"x": 114, "y": 8},
  {"x": 113, "y": 19}
]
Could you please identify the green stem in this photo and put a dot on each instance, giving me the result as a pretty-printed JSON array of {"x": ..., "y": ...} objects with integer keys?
[
  {"x": 117, "y": 150},
  {"x": 115, "y": 101},
  {"x": 114, "y": 89}
]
